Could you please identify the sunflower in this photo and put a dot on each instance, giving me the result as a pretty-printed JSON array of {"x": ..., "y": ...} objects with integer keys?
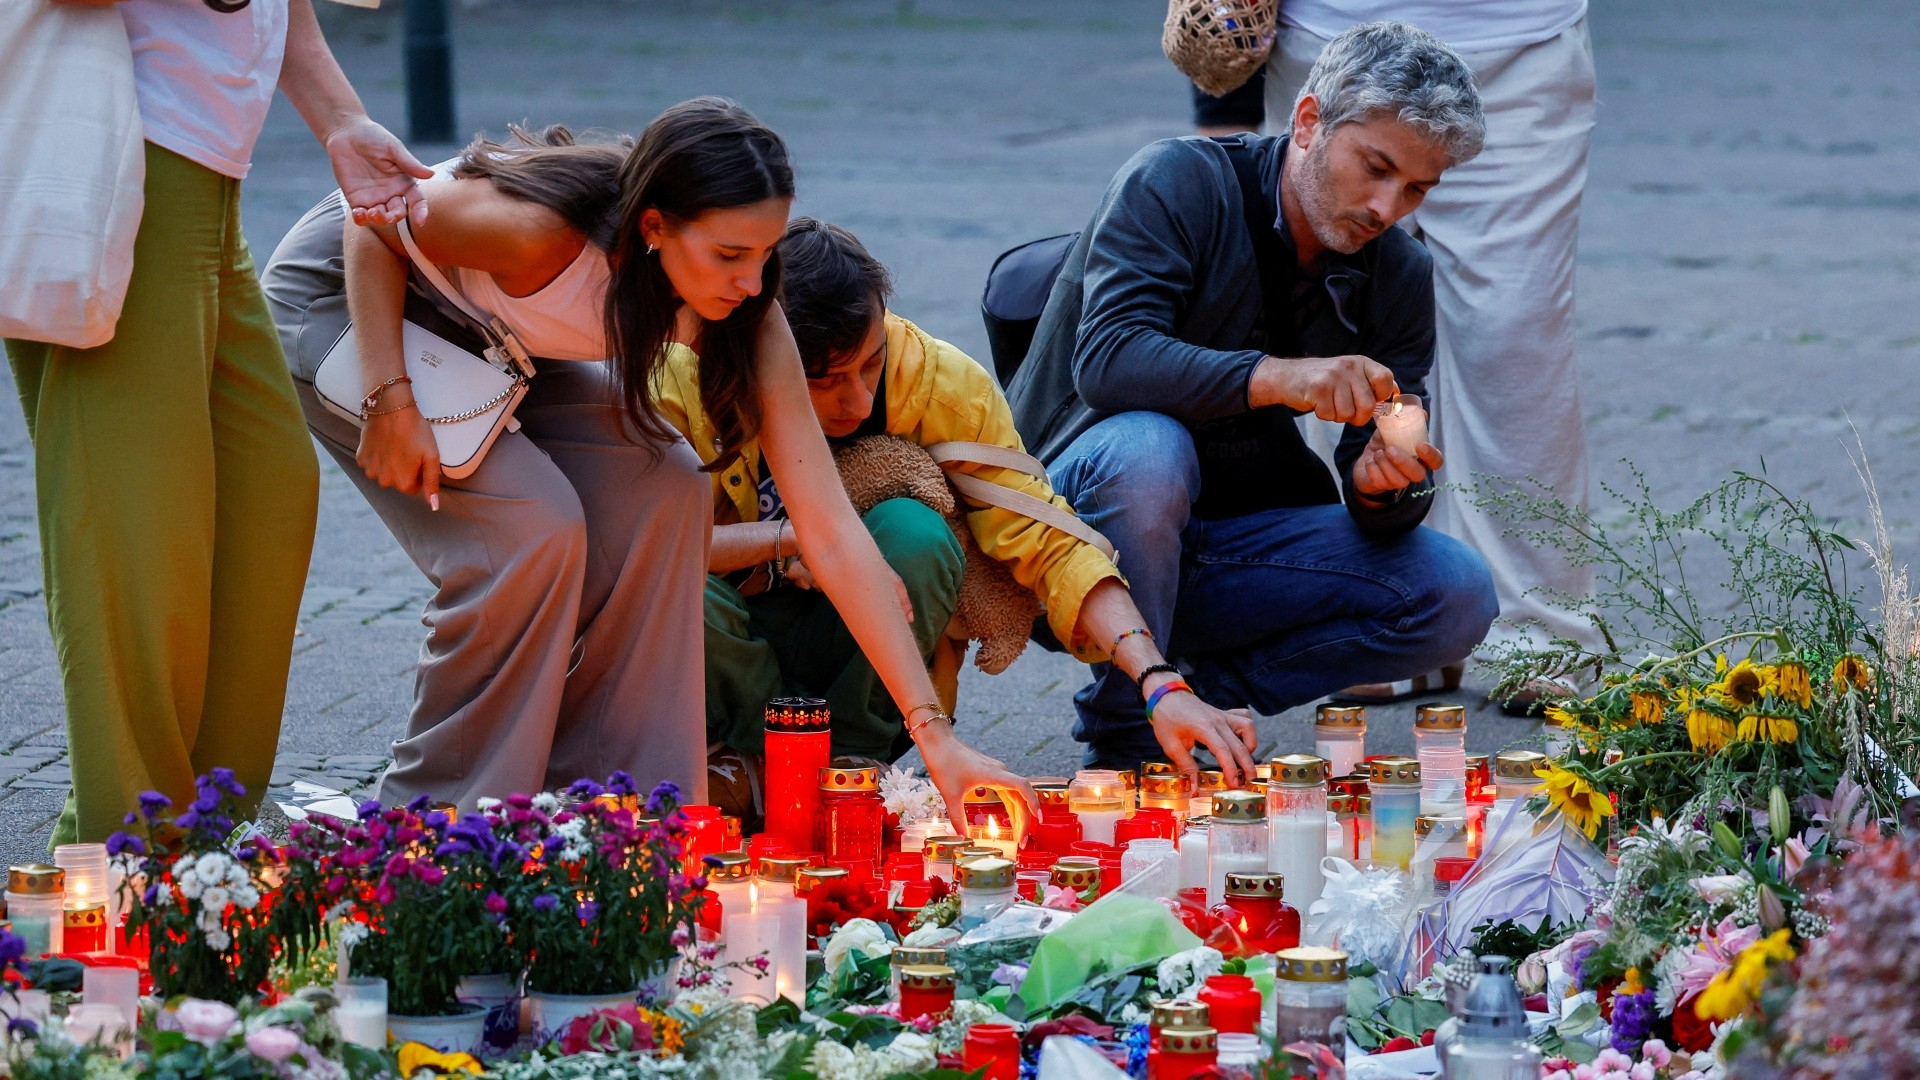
[
  {"x": 1743, "y": 685},
  {"x": 1577, "y": 799},
  {"x": 1648, "y": 707},
  {"x": 1852, "y": 672},
  {"x": 419, "y": 1057},
  {"x": 1707, "y": 730},
  {"x": 1774, "y": 729},
  {"x": 1732, "y": 991},
  {"x": 1793, "y": 683}
]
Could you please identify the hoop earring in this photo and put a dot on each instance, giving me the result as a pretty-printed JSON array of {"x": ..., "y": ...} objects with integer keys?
[{"x": 650, "y": 249}]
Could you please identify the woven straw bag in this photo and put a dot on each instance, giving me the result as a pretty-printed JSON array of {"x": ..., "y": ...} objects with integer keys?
[{"x": 1219, "y": 44}]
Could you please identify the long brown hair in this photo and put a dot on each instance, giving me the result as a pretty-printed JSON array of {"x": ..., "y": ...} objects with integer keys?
[
  {"x": 579, "y": 181},
  {"x": 700, "y": 155}
]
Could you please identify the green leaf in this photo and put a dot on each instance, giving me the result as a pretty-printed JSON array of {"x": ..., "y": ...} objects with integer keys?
[
  {"x": 1578, "y": 1052},
  {"x": 775, "y": 1017},
  {"x": 1579, "y": 1021},
  {"x": 1363, "y": 997},
  {"x": 1414, "y": 1015}
]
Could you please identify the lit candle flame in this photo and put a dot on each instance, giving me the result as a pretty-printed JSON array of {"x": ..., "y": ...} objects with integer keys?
[{"x": 1397, "y": 406}]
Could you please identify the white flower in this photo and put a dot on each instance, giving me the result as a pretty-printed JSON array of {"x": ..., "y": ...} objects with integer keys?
[
  {"x": 351, "y": 933},
  {"x": 913, "y": 1052},
  {"x": 189, "y": 883},
  {"x": 216, "y": 898},
  {"x": 912, "y": 797},
  {"x": 863, "y": 935},
  {"x": 218, "y": 940},
  {"x": 546, "y": 802},
  {"x": 931, "y": 935},
  {"x": 246, "y": 897},
  {"x": 1184, "y": 970},
  {"x": 486, "y": 803},
  {"x": 1716, "y": 888},
  {"x": 832, "y": 1061},
  {"x": 211, "y": 867}
]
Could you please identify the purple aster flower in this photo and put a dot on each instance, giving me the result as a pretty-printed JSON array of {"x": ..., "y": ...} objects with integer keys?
[
  {"x": 369, "y": 809},
  {"x": 588, "y": 911},
  {"x": 153, "y": 804},
  {"x": 188, "y": 820},
  {"x": 150, "y": 896},
  {"x": 1633, "y": 1018},
  {"x": 125, "y": 844},
  {"x": 132, "y": 818},
  {"x": 665, "y": 797},
  {"x": 20, "y": 1027},
  {"x": 621, "y": 783},
  {"x": 13, "y": 948},
  {"x": 544, "y": 902},
  {"x": 223, "y": 779},
  {"x": 584, "y": 789},
  {"x": 420, "y": 804}
]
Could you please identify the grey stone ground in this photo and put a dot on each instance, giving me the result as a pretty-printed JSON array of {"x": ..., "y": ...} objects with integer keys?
[{"x": 1748, "y": 267}]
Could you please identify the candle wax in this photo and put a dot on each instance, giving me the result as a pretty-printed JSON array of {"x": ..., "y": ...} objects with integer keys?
[
  {"x": 362, "y": 1023},
  {"x": 1220, "y": 864},
  {"x": 1298, "y": 843},
  {"x": 1096, "y": 826},
  {"x": 1193, "y": 860},
  {"x": 1393, "y": 815},
  {"x": 1402, "y": 424}
]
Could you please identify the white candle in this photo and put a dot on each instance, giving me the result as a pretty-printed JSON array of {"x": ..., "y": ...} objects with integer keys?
[
  {"x": 1401, "y": 421},
  {"x": 1297, "y": 845},
  {"x": 748, "y": 931},
  {"x": 361, "y": 1015},
  {"x": 913, "y": 836},
  {"x": 789, "y": 955},
  {"x": 1219, "y": 865},
  {"x": 1193, "y": 859},
  {"x": 100, "y": 1023},
  {"x": 1096, "y": 826}
]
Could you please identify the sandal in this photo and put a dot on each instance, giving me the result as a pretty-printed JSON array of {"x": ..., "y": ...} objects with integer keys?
[
  {"x": 1533, "y": 698},
  {"x": 1433, "y": 682}
]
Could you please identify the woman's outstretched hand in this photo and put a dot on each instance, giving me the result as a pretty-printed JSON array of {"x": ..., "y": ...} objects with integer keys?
[{"x": 957, "y": 768}]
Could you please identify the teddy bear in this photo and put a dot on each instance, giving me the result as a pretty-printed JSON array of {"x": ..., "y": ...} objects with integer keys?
[{"x": 994, "y": 609}]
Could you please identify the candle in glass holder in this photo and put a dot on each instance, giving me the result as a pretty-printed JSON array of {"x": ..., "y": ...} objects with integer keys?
[
  {"x": 37, "y": 890},
  {"x": 102, "y": 1024},
  {"x": 1193, "y": 854},
  {"x": 850, "y": 817},
  {"x": 926, "y": 990},
  {"x": 1401, "y": 421},
  {"x": 774, "y": 895},
  {"x": 799, "y": 744},
  {"x": 706, "y": 833},
  {"x": 361, "y": 1014},
  {"x": 87, "y": 901},
  {"x": 1340, "y": 736},
  {"x": 1170, "y": 793},
  {"x": 1211, "y": 783},
  {"x": 992, "y": 834},
  {"x": 729, "y": 884},
  {"x": 1236, "y": 840},
  {"x": 1052, "y": 797},
  {"x": 913, "y": 835},
  {"x": 1297, "y": 825},
  {"x": 1345, "y": 809},
  {"x": 986, "y": 890},
  {"x": 940, "y": 853},
  {"x": 1080, "y": 874},
  {"x": 1396, "y": 803},
  {"x": 1098, "y": 799},
  {"x": 753, "y": 933}
]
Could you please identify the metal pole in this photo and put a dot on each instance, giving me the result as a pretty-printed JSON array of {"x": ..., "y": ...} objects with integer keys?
[{"x": 429, "y": 68}]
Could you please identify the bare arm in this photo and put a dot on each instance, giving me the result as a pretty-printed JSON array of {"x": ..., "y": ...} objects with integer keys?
[
  {"x": 373, "y": 168},
  {"x": 850, "y": 570},
  {"x": 749, "y": 543},
  {"x": 1180, "y": 719}
]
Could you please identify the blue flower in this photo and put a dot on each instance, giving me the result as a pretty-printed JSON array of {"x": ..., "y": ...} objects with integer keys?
[
  {"x": 132, "y": 818},
  {"x": 153, "y": 804},
  {"x": 207, "y": 803},
  {"x": 222, "y": 779},
  {"x": 20, "y": 1027},
  {"x": 13, "y": 948},
  {"x": 420, "y": 804},
  {"x": 1633, "y": 1019},
  {"x": 370, "y": 809},
  {"x": 544, "y": 902},
  {"x": 188, "y": 820},
  {"x": 151, "y": 895},
  {"x": 584, "y": 789},
  {"x": 125, "y": 844},
  {"x": 621, "y": 783},
  {"x": 665, "y": 797},
  {"x": 588, "y": 911}
]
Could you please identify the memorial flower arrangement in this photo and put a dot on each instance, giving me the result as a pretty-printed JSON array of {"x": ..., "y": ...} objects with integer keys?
[{"x": 200, "y": 907}]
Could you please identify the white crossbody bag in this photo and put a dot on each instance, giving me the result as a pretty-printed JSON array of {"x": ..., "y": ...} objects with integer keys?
[{"x": 468, "y": 399}]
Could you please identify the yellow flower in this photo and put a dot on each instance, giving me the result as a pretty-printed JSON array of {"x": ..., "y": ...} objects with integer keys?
[
  {"x": 1577, "y": 799},
  {"x": 1775, "y": 729},
  {"x": 417, "y": 1058},
  {"x": 1793, "y": 683},
  {"x": 1732, "y": 992},
  {"x": 1560, "y": 717},
  {"x": 1745, "y": 684},
  {"x": 1630, "y": 984},
  {"x": 1708, "y": 731},
  {"x": 1853, "y": 672},
  {"x": 1648, "y": 707},
  {"x": 667, "y": 1036}
]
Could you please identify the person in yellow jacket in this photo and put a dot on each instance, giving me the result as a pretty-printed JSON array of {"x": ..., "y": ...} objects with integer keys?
[{"x": 869, "y": 371}]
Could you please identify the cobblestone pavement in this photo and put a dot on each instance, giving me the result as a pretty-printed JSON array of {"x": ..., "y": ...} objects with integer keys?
[{"x": 1747, "y": 268}]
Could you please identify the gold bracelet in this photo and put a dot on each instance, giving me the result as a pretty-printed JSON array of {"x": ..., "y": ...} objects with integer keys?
[{"x": 914, "y": 729}]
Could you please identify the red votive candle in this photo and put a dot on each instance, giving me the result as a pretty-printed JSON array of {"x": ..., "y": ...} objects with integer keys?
[
  {"x": 993, "y": 1048},
  {"x": 706, "y": 834},
  {"x": 1055, "y": 837},
  {"x": 850, "y": 817},
  {"x": 1232, "y": 1003},
  {"x": 1254, "y": 910},
  {"x": 799, "y": 744},
  {"x": 926, "y": 990}
]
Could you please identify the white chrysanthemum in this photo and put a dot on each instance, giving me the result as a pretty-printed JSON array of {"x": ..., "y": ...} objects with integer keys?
[
  {"x": 486, "y": 803},
  {"x": 546, "y": 802},
  {"x": 912, "y": 1052},
  {"x": 351, "y": 933},
  {"x": 216, "y": 898},
  {"x": 212, "y": 867},
  {"x": 189, "y": 883},
  {"x": 246, "y": 897},
  {"x": 913, "y": 798},
  {"x": 1187, "y": 969}
]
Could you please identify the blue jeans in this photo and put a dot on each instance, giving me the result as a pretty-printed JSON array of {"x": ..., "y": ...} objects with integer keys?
[{"x": 1270, "y": 610}]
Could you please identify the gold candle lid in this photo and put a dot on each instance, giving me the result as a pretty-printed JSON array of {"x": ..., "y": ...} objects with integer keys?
[
  {"x": 1343, "y": 805},
  {"x": 1262, "y": 773},
  {"x": 976, "y": 851},
  {"x": 848, "y": 774},
  {"x": 1180, "y": 1015},
  {"x": 1425, "y": 824},
  {"x": 1341, "y": 716},
  {"x": 944, "y": 848},
  {"x": 1300, "y": 770},
  {"x": 1211, "y": 780},
  {"x": 918, "y": 955},
  {"x": 1363, "y": 805},
  {"x": 989, "y": 872},
  {"x": 927, "y": 977},
  {"x": 1079, "y": 876},
  {"x": 1151, "y": 769},
  {"x": 783, "y": 867},
  {"x": 812, "y": 877},
  {"x": 1189, "y": 1041},
  {"x": 1310, "y": 963},
  {"x": 1239, "y": 807},
  {"x": 1519, "y": 765},
  {"x": 1354, "y": 783},
  {"x": 799, "y": 714},
  {"x": 1440, "y": 716},
  {"x": 729, "y": 866},
  {"x": 36, "y": 879},
  {"x": 1257, "y": 886},
  {"x": 1393, "y": 772},
  {"x": 1051, "y": 795},
  {"x": 1164, "y": 787}
]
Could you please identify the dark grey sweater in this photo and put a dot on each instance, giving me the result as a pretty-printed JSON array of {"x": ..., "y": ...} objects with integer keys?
[{"x": 1158, "y": 308}]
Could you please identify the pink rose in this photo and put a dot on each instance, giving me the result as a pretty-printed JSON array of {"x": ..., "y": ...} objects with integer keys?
[
  {"x": 206, "y": 1021},
  {"x": 273, "y": 1044}
]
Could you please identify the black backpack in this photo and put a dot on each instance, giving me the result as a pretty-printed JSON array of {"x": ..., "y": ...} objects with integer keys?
[{"x": 1022, "y": 278}]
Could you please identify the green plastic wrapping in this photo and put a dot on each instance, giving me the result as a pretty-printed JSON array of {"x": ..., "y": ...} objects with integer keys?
[{"x": 1116, "y": 932}]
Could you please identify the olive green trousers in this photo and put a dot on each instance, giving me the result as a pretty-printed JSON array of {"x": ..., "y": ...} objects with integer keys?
[{"x": 177, "y": 493}]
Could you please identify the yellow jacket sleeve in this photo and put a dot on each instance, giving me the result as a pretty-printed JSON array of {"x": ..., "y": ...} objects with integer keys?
[{"x": 964, "y": 404}]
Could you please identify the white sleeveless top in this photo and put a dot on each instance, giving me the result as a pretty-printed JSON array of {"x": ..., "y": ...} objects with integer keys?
[{"x": 566, "y": 320}]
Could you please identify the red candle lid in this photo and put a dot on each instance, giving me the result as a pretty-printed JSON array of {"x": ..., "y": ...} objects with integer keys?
[
  {"x": 798, "y": 714},
  {"x": 1093, "y": 848},
  {"x": 1451, "y": 868}
]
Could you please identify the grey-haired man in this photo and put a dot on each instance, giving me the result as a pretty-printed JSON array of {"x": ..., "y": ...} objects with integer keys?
[{"x": 1170, "y": 365}]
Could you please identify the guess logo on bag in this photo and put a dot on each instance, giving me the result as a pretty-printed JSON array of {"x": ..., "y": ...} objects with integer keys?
[{"x": 429, "y": 359}]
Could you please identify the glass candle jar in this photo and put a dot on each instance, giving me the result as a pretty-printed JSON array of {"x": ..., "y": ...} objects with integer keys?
[
  {"x": 1233, "y": 1004},
  {"x": 1153, "y": 866},
  {"x": 810, "y": 879},
  {"x": 1057, "y": 835},
  {"x": 1052, "y": 797},
  {"x": 1129, "y": 789},
  {"x": 906, "y": 956},
  {"x": 1354, "y": 783},
  {"x": 992, "y": 1052},
  {"x": 799, "y": 743},
  {"x": 1236, "y": 840},
  {"x": 706, "y": 833},
  {"x": 1098, "y": 799},
  {"x": 983, "y": 805},
  {"x": 1479, "y": 777},
  {"x": 926, "y": 990},
  {"x": 729, "y": 881},
  {"x": 1080, "y": 874},
  {"x": 1254, "y": 908},
  {"x": 787, "y": 956},
  {"x": 940, "y": 853},
  {"x": 1211, "y": 783},
  {"x": 1340, "y": 736},
  {"x": 1440, "y": 745},
  {"x": 1186, "y": 1054},
  {"x": 850, "y": 817},
  {"x": 1345, "y": 809},
  {"x": 1297, "y": 825},
  {"x": 1395, "y": 783},
  {"x": 90, "y": 903},
  {"x": 38, "y": 891},
  {"x": 986, "y": 889},
  {"x": 1193, "y": 854},
  {"x": 1310, "y": 996},
  {"x": 1172, "y": 793}
]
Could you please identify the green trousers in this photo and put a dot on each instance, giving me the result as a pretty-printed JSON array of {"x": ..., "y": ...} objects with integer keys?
[
  {"x": 177, "y": 493},
  {"x": 791, "y": 641}
]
